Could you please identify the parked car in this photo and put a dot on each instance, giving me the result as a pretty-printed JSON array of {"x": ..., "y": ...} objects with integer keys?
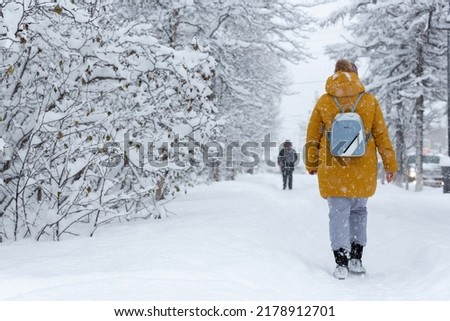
[{"x": 431, "y": 170}]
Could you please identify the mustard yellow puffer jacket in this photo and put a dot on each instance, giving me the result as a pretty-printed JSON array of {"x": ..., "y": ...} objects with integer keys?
[{"x": 347, "y": 176}]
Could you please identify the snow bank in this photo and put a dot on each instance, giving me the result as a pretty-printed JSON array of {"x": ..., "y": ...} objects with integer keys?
[{"x": 243, "y": 240}]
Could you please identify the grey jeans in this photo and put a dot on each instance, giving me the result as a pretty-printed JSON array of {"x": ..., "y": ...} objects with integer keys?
[{"x": 348, "y": 222}]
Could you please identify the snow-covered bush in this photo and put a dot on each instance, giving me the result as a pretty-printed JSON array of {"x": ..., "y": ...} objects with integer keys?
[{"x": 84, "y": 98}]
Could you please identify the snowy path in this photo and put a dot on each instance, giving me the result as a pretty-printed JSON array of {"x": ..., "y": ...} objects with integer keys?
[{"x": 243, "y": 240}]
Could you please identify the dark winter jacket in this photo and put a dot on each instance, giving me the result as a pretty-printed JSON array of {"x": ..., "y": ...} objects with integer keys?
[{"x": 287, "y": 158}]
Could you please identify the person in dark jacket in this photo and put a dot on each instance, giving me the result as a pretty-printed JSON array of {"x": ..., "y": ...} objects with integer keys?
[{"x": 287, "y": 159}]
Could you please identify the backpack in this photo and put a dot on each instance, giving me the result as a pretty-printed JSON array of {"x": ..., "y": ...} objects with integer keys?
[{"x": 347, "y": 137}]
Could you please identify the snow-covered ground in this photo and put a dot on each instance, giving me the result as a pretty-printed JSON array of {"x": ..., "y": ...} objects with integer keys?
[{"x": 243, "y": 240}]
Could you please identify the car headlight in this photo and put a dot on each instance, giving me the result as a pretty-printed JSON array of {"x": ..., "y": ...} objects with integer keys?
[{"x": 412, "y": 172}]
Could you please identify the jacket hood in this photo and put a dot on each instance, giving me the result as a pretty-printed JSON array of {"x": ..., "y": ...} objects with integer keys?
[{"x": 344, "y": 84}]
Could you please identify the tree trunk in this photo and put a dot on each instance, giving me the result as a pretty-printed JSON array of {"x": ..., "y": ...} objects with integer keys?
[
  {"x": 55, "y": 231},
  {"x": 419, "y": 143},
  {"x": 419, "y": 108},
  {"x": 400, "y": 148},
  {"x": 161, "y": 183}
]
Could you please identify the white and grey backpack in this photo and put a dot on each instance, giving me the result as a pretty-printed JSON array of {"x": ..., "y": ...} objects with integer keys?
[{"x": 348, "y": 137}]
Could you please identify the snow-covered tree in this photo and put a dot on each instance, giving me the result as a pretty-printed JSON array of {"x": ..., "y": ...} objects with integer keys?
[
  {"x": 108, "y": 107},
  {"x": 404, "y": 48},
  {"x": 250, "y": 42},
  {"x": 90, "y": 112}
]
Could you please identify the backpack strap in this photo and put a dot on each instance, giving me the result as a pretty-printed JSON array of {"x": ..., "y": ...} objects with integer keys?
[
  {"x": 357, "y": 101},
  {"x": 337, "y": 104},
  {"x": 354, "y": 105},
  {"x": 368, "y": 135}
]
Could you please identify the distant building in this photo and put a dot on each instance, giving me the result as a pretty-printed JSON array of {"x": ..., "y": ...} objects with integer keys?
[{"x": 435, "y": 140}]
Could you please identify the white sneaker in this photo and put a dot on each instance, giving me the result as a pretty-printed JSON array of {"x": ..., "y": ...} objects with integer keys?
[
  {"x": 341, "y": 272},
  {"x": 355, "y": 266}
]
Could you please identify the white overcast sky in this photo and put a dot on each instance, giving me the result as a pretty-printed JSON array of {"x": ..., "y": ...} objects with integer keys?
[{"x": 309, "y": 78}]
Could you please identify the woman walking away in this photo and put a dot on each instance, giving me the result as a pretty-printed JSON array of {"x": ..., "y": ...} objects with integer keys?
[{"x": 347, "y": 180}]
